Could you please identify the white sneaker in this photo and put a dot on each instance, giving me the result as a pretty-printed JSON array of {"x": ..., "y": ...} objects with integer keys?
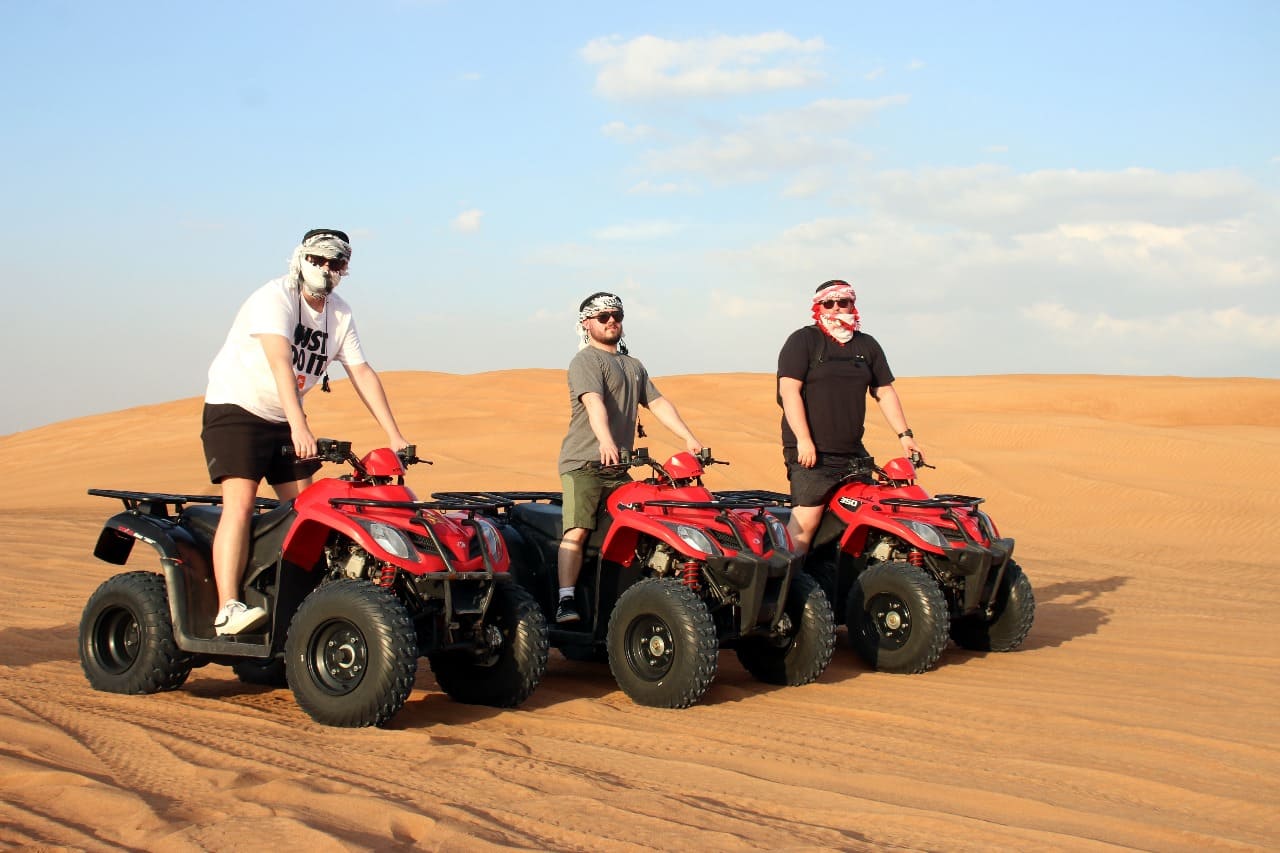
[{"x": 236, "y": 618}]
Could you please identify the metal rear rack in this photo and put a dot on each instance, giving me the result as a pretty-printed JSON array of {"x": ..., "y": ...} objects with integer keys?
[
  {"x": 156, "y": 503},
  {"x": 457, "y": 501},
  {"x": 935, "y": 502},
  {"x": 754, "y": 497},
  {"x": 494, "y": 500}
]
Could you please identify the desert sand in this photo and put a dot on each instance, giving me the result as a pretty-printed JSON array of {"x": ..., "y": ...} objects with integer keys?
[{"x": 1143, "y": 711}]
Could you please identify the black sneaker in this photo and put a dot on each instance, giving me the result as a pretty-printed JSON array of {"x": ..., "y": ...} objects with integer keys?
[{"x": 566, "y": 612}]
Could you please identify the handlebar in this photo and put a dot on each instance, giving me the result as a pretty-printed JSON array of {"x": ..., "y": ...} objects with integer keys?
[
  {"x": 640, "y": 456},
  {"x": 333, "y": 450}
]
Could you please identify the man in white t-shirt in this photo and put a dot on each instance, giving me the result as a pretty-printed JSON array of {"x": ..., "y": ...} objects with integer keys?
[{"x": 283, "y": 340}]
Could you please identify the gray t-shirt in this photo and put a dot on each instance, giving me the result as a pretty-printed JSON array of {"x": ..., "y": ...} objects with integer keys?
[{"x": 623, "y": 383}]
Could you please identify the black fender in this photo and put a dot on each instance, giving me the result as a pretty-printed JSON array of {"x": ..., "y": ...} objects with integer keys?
[{"x": 187, "y": 567}]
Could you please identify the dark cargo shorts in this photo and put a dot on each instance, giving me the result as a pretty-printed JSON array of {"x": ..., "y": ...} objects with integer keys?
[
  {"x": 241, "y": 444},
  {"x": 812, "y": 486},
  {"x": 584, "y": 489}
]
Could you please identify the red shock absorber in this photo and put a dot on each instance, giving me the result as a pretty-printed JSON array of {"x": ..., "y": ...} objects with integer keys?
[
  {"x": 689, "y": 573},
  {"x": 388, "y": 575},
  {"x": 916, "y": 558}
]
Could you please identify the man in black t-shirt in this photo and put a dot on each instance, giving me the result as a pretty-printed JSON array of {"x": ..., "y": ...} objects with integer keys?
[{"x": 825, "y": 372}]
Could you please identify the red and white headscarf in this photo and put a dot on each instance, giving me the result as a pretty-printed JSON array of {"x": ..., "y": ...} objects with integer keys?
[{"x": 839, "y": 327}]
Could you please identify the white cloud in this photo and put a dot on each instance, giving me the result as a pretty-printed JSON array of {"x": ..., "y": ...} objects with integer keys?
[
  {"x": 997, "y": 199},
  {"x": 649, "y": 66},
  {"x": 737, "y": 305},
  {"x": 874, "y": 74},
  {"x": 760, "y": 146},
  {"x": 624, "y": 132},
  {"x": 915, "y": 65},
  {"x": 637, "y": 231},
  {"x": 468, "y": 222},
  {"x": 1227, "y": 326},
  {"x": 470, "y": 76},
  {"x": 647, "y": 187}
]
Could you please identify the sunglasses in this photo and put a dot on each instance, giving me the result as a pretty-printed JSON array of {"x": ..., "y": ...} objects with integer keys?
[
  {"x": 335, "y": 264},
  {"x": 605, "y": 316},
  {"x": 832, "y": 303}
]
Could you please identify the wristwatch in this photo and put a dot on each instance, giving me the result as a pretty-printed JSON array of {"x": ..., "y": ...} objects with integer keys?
[{"x": 906, "y": 433}]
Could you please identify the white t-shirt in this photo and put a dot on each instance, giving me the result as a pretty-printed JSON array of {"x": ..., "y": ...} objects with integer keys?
[{"x": 240, "y": 373}]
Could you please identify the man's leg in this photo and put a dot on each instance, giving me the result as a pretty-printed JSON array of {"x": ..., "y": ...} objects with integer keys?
[
  {"x": 289, "y": 491},
  {"x": 803, "y": 525},
  {"x": 230, "y": 553},
  {"x": 568, "y": 568},
  {"x": 231, "y": 541}
]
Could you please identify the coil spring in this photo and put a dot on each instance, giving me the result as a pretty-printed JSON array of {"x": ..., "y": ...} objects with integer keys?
[
  {"x": 916, "y": 558},
  {"x": 388, "y": 576},
  {"x": 689, "y": 574}
]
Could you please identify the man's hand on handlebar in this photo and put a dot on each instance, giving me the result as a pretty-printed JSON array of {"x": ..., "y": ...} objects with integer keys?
[
  {"x": 304, "y": 443},
  {"x": 609, "y": 454}
]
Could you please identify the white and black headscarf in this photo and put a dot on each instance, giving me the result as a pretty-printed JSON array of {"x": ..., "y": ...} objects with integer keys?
[
  {"x": 324, "y": 243},
  {"x": 590, "y": 307}
]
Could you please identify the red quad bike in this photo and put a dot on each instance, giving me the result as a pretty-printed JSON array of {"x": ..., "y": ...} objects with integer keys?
[
  {"x": 911, "y": 568},
  {"x": 670, "y": 575},
  {"x": 359, "y": 579}
]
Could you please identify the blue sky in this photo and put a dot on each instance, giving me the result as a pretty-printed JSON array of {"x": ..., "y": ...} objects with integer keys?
[{"x": 1010, "y": 187}]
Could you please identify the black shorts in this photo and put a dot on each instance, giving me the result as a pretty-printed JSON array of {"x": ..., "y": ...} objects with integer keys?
[
  {"x": 812, "y": 486},
  {"x": 241, "y": 444}
]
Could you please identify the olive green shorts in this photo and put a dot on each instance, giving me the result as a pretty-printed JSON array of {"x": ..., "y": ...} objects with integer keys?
[{"x": 584, "y": 489}]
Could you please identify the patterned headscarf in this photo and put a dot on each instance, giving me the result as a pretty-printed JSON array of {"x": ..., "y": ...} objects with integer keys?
[
  {"x": 839, "y": 327},
  {"x": 324, "y": 242},
  {"x": 590, "y": 307}
]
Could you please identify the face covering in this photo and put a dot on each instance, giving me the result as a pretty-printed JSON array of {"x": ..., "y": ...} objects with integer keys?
[
  {"x": 318, "y": 281},
  {"x": 839, "y": 327}
]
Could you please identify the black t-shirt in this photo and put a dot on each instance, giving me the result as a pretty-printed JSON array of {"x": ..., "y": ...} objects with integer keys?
[{"x": 837, "y": 378}]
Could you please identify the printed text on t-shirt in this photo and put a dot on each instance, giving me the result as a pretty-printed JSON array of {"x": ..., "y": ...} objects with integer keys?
[{"x": 310, "y": 350}]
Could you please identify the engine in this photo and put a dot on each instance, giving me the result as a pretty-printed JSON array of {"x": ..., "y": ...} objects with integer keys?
[
  {"x": 663, "y": 560},
  {"x": 345, "y": 559},
  {"x": 885, "y": 550}
]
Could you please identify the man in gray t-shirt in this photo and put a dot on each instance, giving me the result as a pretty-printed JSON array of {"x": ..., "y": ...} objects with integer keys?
[{"x": 606, "y": 389}]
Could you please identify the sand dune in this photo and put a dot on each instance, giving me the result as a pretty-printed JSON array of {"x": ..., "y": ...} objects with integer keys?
[{"x": 1141, "y": 713}]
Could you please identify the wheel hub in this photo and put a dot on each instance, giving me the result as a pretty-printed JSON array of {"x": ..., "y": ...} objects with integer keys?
[
  {"x": 119, "y": 640},
  {"x": 892, "y": 619},
  {"x": 650, "y": 648},
  {"x": 339, "y": 657}
]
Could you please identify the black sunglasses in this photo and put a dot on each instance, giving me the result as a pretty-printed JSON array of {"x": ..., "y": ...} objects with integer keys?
[
  {"x": 335, "y": 264},
  {"x": 832, "y": 303},
  {"x": 605, "y": 316}
]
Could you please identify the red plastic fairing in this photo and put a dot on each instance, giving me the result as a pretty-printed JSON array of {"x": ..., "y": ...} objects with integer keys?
[
  {"x": 382, "y": 462},
  {"x": 683, "y": 466},
  {"x": 900, "y": 470}
]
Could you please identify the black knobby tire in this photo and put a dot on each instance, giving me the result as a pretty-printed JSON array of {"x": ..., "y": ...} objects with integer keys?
[
  {"x": 126, "y": 637},
  {"x": 352, "y": 654},
  {"x": 508, "y": 675},
  {"x": 897, "y": 617},
  {"x": 803, "y": 655},
  {"x": 822, "y": 565},
  {"x": 663, "y": 649},
  {"x": 270, "y": 673},
  {"x": 1015, "y": 610}
]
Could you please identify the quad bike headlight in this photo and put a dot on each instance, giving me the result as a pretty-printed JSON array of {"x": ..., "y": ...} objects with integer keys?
[
  {"x": 391, "y": 540},
  {"x": 695, "y": 539},
  {"x": 777, "y": 533},
  {"x": 490, "y": 539},
  {"x": 927, "y": 532}
]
